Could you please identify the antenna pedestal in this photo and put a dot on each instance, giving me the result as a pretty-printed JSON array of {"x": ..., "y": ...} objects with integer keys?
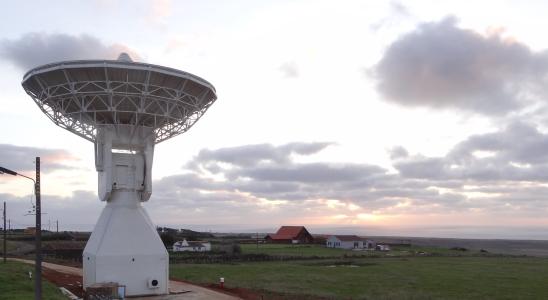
[{"x": 125, "y": 248}]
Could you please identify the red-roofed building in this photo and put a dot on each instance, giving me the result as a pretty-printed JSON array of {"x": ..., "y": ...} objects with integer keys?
[{"x": 290, "y": 235}]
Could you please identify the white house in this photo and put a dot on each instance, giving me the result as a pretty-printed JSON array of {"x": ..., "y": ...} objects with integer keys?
[
  {"x": 192, "y": 246},
  {"x": 383, "y": 247},
  {"x": 349, "y": 242}
]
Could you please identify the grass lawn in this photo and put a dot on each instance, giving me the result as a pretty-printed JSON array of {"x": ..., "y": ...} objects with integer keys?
[
  {"x": 385, "y": 278},
  {"x": 322, "y": 251},
  {"x": 296, "y": 250},
  {"x": 16, "y": 285}
]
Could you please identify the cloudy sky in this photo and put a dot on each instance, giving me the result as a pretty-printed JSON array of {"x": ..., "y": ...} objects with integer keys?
[{"x": 375, "y": 118}]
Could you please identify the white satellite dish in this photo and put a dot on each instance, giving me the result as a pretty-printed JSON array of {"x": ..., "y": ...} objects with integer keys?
[{"x": 124, "y": 108}]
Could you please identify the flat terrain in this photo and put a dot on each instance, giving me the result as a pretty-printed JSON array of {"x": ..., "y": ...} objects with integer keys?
[
  {"x": 444, "y": 275},
  {"x": 429, "y": 269},
  {"x": 514, "y": 247},
  {"x": 297, "y": 250},
  {"x": 307, "y": 251},
  {"x": 16, "y": 285}
]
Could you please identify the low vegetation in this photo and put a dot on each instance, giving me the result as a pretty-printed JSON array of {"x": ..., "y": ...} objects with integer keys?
[
  {"x": 15, "y": 283},
  {"x": 320, "y": 251},
  {"x": 234, "y": 253},
  {"x": 285, "y": 271},
  {"x": 434, "y": 277}
]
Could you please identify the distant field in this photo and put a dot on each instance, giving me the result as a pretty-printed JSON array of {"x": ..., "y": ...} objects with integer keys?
[
  {"x": 514, "y": 247},
  {"x": 16, "y": 285},
  {"x": 297, "y": 250},
  {"x": 322, "y": 251},
  {"x": 384, "y": 278},
  {"x": 13, "y": 245}
]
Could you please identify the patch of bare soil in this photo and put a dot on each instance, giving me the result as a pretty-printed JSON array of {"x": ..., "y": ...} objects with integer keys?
[{"x": 71, "y": 282}]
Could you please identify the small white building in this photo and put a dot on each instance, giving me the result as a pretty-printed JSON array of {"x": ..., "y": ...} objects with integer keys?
[
  {"x": 382, "y": 247},
  {"x": 349, "y": 242},
  {"x": 192, "y": 246}
]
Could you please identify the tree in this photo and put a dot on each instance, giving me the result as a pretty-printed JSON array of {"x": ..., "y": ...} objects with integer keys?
[{"x": 168, "y": 239}]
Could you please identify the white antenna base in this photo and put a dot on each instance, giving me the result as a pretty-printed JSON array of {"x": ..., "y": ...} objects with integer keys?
[{"x": 125, "y": 248}]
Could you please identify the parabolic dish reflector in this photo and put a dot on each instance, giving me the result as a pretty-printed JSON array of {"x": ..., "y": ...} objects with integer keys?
[{"x": 82, "y": 95}]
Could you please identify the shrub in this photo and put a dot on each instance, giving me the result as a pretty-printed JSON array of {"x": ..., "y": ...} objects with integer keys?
[
  {"x": 168, "y": 239},
  {"x": 230, "y": 249}
]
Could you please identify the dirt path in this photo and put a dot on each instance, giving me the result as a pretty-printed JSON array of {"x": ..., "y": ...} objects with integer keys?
[
  {"x": 54, "y": 267},
  {"x": 71, "y": 279}
]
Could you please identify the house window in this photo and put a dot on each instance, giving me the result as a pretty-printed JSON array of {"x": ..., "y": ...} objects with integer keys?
[{"x": 356, "y": 244}]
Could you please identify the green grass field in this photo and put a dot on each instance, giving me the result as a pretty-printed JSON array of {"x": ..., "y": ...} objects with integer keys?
[
  {"x": 321, "y": 251},
  {"x": 385, "y": 278},
  {"x": 296, "y": 250},
  {"x": 16, "y": 285},
  {"x": 10, "y": 245}
]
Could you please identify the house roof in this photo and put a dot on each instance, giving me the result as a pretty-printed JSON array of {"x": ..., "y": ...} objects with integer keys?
[
  {"x": 349, "y": 238},
  {"x": 288, "y": 232}
]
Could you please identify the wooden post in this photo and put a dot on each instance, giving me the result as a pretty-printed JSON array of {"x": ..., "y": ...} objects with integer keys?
[
  {"x": 5, "y": 248},
  {"x": 38, "y": 240}
]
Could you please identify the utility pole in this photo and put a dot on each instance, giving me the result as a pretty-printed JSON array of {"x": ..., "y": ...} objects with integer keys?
[
  {"x": 38, "y": 263},
  {"x": 5, "y": 248},
  {"x": 57, "y": 225},
  {"x": 38, "y": 234}
]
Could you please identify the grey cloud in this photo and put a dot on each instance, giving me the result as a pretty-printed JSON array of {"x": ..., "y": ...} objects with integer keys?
[
  {"x": 185, "y": 181},
  {"x": 252, "y": 154},
  {"x": 474, "y": 169},
  {"x": 304, "y": 148},
  {"x": 422, "y": 167},
  {"x": 37, "y": 48},
  {"x": 312, "y": 172},
  {"x": 243, "y": 155},
  {"x": 398, "y": 152},
  {"x": 517, "y": 153},
  {"x": 21, "y": 159},
  {"x": 268, "y": 188},
  {"x": 442, "y": 66},
  {"x": 518, "y": 142},
  {"x": 428, "y": 185},
  {"x": 532, "y": 199},
  {"x": 78, "y": 211},
  {"x": 268, "y": 172},
  {"x": 289, "y": 70}
]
